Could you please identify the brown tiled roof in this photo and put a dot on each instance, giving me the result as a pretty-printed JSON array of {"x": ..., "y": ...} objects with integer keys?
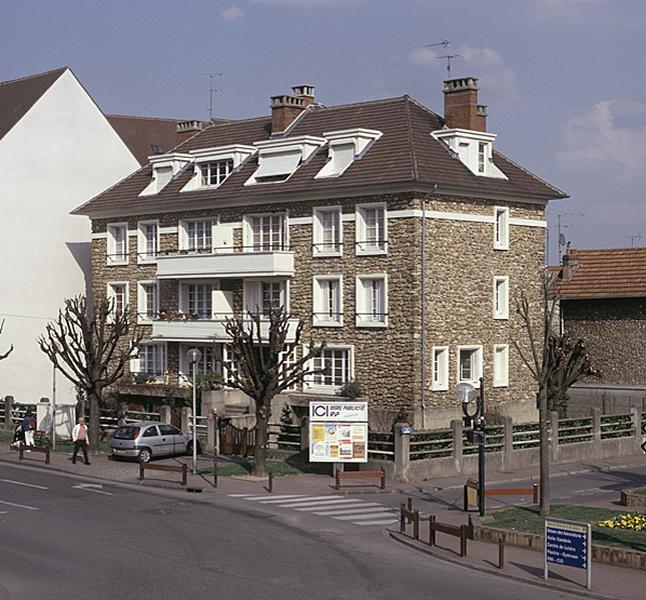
[
  {"x": 606, "y": 273},
  {"x": 19, "y": 95},
  {"x": 405, "y": 156}
]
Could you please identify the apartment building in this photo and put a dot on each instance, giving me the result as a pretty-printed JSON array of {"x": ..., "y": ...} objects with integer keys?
[{"x": 399, "y": 236}]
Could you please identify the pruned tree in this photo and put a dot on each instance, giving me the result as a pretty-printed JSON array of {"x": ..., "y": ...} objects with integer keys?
[
  {"x": 263, "y": 364},
  {"x": 8, "y": 352},
  {"x": 90, "y": 346},
  {"x": 555, "y": 363}
]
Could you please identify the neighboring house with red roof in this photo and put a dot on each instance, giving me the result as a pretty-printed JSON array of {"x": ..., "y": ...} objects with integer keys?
[
  {"x": 398, "y": 235},
  {"x": 56, "y": 150},
  {"x": 603, "y": 301}
]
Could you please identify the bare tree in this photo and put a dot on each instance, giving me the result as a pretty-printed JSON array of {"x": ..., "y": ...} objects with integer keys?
[
  {"x": 263, "y": 364},
  {"x": 555, "y": 363},
  {"x": 8, "y": 352},
  {"x": 90, "y": 346}
]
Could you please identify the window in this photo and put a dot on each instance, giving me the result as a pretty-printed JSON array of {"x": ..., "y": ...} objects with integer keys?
[
  {"x": 117, "y": 244},
  {"x": 267, "y": 232},
  {"x": 271, "y": 295},
  {"x": 501, "y": 229},
  {"x": 501, "y": 365},
  {"x": 327, "y": 301},
  {"x": 287, "y": 361},
  {"x": 440, "y": 368},
  {"x": 199, "y": 235},
  {"x": 372, "y": 301},
  {"x": 206, "y": 364},
  {"x": 152, "y": 360},
  {"x": 147, "y": 241},
  {"x": 501, "y": 297},
  {"x": 118, "y": 294},
  {"x": 338, "y": 365},
  {"x": 147, "y": 301},
  {"x": 198, "y": 300},
  {"x": 327, "y": 231},
  {"x": 482, "y": 149},
  {"x": 470, "y": 364},
  {"x": 261, "y": 295},
  {"x": 214, "y": 173},
  {"x": 150, "y": 432},
  {"x": 371, "y": 234}
]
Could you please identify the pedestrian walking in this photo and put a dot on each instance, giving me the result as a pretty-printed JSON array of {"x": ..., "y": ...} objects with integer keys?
[
  {"x": 28, "y": 427},
  {"x": 81, "y": 440}
]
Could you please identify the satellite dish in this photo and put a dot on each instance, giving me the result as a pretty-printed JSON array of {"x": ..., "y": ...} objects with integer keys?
[{"x": 562, "y": 240}]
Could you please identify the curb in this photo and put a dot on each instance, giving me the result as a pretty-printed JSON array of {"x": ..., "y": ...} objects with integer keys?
[{"x": 407, "y": 541}]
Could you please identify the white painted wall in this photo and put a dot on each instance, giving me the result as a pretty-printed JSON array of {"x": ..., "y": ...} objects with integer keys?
[{"x": 60, "y": 154}]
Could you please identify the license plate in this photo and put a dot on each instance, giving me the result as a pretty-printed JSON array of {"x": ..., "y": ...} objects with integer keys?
[{"x": 119, "y": 451}]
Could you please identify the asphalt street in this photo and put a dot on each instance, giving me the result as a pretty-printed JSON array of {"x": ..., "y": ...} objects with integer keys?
[{"x": 66, "y": 538}]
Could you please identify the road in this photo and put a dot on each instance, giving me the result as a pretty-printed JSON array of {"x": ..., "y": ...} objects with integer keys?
[{"x": 62, "y": 539}]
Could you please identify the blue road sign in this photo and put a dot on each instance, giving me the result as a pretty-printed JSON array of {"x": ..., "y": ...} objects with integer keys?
[{"x": 568, "y": 543}]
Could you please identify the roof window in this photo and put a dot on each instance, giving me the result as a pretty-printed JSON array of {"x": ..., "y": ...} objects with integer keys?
[
  {"x": 212, "y": 166},
  {"x": 278, "y": 159},
  {"x": 473, "y": 148},
  {"x": 345, "y": 147},
  {"x": 165, "y": 167}
]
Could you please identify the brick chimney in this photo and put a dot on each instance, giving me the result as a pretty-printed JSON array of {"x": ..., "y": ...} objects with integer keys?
[
  {"x": 285, "y": 108},
  {"x": 570, "y": 266},
  {"x": 461, "y": 108},
  {"x": 186, "y": 129}
]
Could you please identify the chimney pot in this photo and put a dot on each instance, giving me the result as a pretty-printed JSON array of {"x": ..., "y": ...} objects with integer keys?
[{"x": 285, "y": 108}]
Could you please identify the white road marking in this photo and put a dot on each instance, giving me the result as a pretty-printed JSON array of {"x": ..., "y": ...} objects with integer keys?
[
  {"x": 275, "y": 499},
  {"x": 238, "y": 495},
  {"x": 367, "y": 507},
  {"x": 18, "y": 505},
  {"x": 383, "y": 522},
  {"x": 3, "y": 512},
  {"x": 92, "y": 487},
  {"x": 319, "y": 503},
  {"x": 383, "y": 514},
  {"x": 334, "y": 503},
  {"x": 31, "y": 485}
]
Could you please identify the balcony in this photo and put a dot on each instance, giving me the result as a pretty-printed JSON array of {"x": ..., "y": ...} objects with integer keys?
[
  {"x": 201, "y": 329},
  {"x": 192, "y": 265}
]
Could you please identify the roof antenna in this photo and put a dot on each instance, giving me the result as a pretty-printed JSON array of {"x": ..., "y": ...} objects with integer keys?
[
  {"x": 212, "y": 90},
  {"x": 632, "y": 237},
  {"x": 446, "y": 44}
]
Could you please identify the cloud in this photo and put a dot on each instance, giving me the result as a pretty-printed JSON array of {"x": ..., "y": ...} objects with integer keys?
[
  {"x": 608, "y": 139},
  {"x": 233, "y": 13},
  {"x": 306, "y": 3},
  {"x": 498, "y": 81}
]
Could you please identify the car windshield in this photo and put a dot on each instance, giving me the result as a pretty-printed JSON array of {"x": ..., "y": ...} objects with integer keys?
[{"x": 128, "y": 432}]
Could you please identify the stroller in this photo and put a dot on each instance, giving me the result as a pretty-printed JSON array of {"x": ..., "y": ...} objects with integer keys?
[{"x": 18, "y": 437}]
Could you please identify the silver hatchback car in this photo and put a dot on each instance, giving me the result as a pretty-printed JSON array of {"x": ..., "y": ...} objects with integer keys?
[{"x": 149, "y": 439}]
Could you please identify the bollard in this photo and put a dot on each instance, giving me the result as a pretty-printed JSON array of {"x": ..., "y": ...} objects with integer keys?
[
  {"x": 270, "y": 483},
  {"x": 501, "y": 554}
]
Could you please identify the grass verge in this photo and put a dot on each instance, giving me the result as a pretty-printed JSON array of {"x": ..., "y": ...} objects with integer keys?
[{"x": 528, "y": 519}]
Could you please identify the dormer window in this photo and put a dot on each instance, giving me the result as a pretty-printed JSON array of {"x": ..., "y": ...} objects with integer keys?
[
  {"x": 473, "y": 148},
  {"x": 214, "y": 173},
  {"x": 345, "y": 147},
  {"x": 278, "y": 159},
  {"x": 164, "y": 168}
]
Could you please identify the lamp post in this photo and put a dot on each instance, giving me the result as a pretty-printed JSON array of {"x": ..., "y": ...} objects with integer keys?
[
  {"x": 473, "y": 408},
  {"x": 194, "y": 356}
]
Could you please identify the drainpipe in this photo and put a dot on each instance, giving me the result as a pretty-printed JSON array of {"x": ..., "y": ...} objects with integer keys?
[{"x": 422, "y": 365}]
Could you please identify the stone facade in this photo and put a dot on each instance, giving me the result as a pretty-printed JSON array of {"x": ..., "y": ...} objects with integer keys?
[{"x": 460, "y": 265}]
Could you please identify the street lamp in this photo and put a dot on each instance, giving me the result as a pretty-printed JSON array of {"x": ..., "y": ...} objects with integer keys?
[
  {"x": 194, "y": 356},
  {"x": 473, "y": 408}
]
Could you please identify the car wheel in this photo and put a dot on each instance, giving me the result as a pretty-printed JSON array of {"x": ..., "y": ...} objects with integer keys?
[
  {"x": 189, "y": 448},
  {"x": 145, "y": 455}
]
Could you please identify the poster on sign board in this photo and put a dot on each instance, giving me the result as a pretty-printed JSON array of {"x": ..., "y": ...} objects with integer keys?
[{"x": 339, "y": 432}]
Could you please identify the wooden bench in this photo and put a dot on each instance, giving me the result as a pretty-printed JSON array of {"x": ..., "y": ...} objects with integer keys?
[
  {"x": 471, "y": 491},
  {"x": 169, "y": 468},
  {"x": 339, "y": 475},
  {"x": 459, "y": 531},
  {"x": 42, "y": 449}
]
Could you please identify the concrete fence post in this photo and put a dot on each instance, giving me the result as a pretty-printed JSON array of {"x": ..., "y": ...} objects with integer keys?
[
  {"x": 458, "y": 444},
  {"x": 305, "y": 434},
  {"x": 507, "y": 441},
  {"x": 164, "y": 414},
  {"x": 401, "y": 447},
  {"x": 636, "y": 421},
  {"x": 210, "y": 430},
  {"x": 596, "y": 426},
  {"x": 8, "y": 407},
  {"x": 554, "y": 436},
  {"x": 185, "y": 423},
  {"x": 122, "y": 414}
]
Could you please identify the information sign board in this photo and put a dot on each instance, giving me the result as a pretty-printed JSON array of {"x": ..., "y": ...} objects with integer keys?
[
  {"x": 568, "y": 543},
  {"x": 338, "y": 432}
]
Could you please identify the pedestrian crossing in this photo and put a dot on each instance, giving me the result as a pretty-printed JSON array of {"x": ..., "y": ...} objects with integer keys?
[{"x": 341, "y": 508}]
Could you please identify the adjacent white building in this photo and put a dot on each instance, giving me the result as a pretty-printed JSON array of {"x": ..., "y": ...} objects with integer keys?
[{"x": 57, "y": 150}]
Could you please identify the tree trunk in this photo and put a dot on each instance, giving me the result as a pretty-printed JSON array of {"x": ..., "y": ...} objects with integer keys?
[
  {"x": 544, "y": 453},
  {"x": 94, "y": 398},
  {"x": 260, "y": 451}
]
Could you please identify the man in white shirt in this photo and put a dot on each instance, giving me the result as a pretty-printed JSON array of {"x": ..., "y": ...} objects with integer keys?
[{"x": 81, "y": 440}]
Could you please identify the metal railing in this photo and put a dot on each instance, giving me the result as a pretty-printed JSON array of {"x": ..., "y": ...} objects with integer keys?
[
  {"x": 572, "y": 431},
  {"x": 617, "y": 426},
  {"x": 381, "y": 445},
  {"x": 284, "y": 436},
  {"x": 526, "y": 435},
  {"x": 431, "y": 444}
]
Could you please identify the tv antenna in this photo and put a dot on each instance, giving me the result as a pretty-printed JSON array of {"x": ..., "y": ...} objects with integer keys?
[
  {"x": 448, "y": 46},
  {"x": 632, "y": 237},
  {"x": 212, "y": 90},
  {"x": 562, "y": 241}
]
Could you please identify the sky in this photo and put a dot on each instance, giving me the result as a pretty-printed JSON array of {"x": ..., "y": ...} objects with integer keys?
[{"x": 564, "y": 80}]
